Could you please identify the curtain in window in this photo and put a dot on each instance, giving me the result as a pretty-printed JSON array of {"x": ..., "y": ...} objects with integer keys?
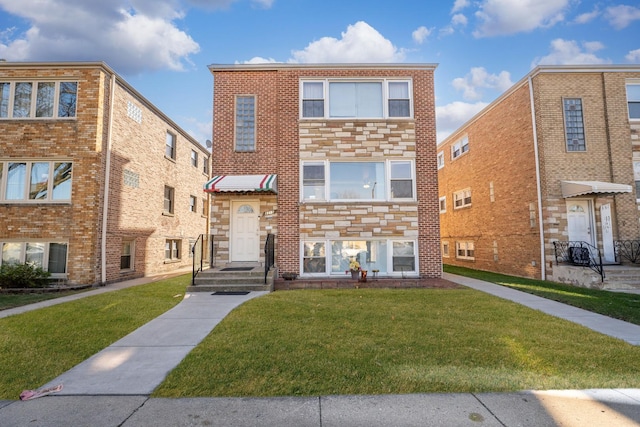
[
  {"x": 359, "y": 99},
  {"x": 57, "y": 258}
]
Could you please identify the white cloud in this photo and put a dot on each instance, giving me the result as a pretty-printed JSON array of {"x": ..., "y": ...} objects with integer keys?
[
  {"x": 132, "y": 36},
  {"x": 568, "y": 52},
  {"x": 503, "y": 17},
  {"x": 459, "y": 5},
  {"x": 360, "y": 43},
  {"x": 421, "y": 33},
  {"x": 633, "y": 56},
  {"x": 585, "y": 18},
  {"x": 621, "y": 16},
  {"x": 258, "y": 60},
  {"x": 459, "y": 20},
  {"x": 477, "y": 79},
  {"x": 451, "y": 116}
]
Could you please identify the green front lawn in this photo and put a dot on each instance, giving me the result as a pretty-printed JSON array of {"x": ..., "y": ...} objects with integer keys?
[
  {"x": 619, "y": 305},
  {"x": 307, "y": 343},
  {"x": 37, "y": 346}
]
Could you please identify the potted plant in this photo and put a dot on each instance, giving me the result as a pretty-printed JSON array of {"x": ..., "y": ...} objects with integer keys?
[{"x": 354, "y": 268}]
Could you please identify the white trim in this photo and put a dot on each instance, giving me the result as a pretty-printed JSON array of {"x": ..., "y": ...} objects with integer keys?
[
  {"x": 107, "y": 181},
  {"x": 543, "y": 263}
]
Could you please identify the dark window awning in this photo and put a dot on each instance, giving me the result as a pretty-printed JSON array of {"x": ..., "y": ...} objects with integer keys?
[
  {"x": 242, "y": 183},
  {"x": 579, "y": 188}
]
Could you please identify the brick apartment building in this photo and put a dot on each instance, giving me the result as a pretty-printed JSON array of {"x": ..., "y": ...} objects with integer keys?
[
  {"x": 551, "y": 160},
  {"x": 96, "y": 184},
  {"x": 336, "y": 160}
]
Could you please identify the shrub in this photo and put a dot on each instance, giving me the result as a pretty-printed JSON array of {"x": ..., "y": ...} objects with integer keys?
[{"x": 25, "y": 275}]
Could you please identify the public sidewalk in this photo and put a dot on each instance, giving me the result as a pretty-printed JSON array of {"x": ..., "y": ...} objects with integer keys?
[{"x": 112, "y": 388}]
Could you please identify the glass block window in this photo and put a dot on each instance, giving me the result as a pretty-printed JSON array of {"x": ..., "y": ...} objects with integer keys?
[{"x": 574, "y": 125}]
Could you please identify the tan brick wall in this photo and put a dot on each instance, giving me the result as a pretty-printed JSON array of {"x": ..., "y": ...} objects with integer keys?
[
  {"x": 504, "y": 136},
  {"x": 133, "y": 213},
  {"x": 136, "y": 213},
  {"x": 501, "y": 161},
  {"x": 283, "y": 140}
]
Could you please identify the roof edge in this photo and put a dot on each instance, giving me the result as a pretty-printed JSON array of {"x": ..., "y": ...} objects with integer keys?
[{"x": 274, "y": 66}]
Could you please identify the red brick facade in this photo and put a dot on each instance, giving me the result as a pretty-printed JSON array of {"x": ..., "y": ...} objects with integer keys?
[
  {"x": 103, "y": 134},
  {"x": 284, "y": 140},
  {"x": 504, "y": 219}
]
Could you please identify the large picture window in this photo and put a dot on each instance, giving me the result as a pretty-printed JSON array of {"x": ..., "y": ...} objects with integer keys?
[
  {"x": 41, "y": 100},
  {"x": 388, "y": 257},
  {"x": 345, "y": 99},
  {"x": 381, "y": 180},
  {"x": 49, "y": 256},
  {"x": 35, "y": 181}
]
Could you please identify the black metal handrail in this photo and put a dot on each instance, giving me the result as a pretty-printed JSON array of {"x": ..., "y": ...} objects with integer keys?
[
  {"x": 203, "y": 246},
  {"x": 196, "y": 251},
  {"x": 627, "y": 249},
  {"x": 579, "y": 253},
  {"x": 269, "y": 254}
]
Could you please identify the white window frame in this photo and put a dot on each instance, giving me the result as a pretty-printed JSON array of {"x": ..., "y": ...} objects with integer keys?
[
  {"x": 633, "y": 99},
  {"x": 193, "y": 203},
  {"x": 462, "y": 196},
  {"x": 388, "y": 259},
  {"x": 194, "y": 158},
  {"x": 442, "y": 203},
  {"x": 325, "y": 194},
  {"x": 440, "y": 160},
  {"x": 46, "y": 254},
  {"x": 4, "y": 177},
  {"x": 467, "y": 249},
  {"x": 460, "y": 147},
  {"x": 7, "y": 104},
  {"x": 174, "y": 250},
  {"x": 170, "y": 145},
  {"x": 169, "y": 197},
  {"x": 327, "y": 102}
]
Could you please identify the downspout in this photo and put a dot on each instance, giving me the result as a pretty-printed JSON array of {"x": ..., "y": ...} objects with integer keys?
[
  {"x": 543, "y": 262},
  {"x": 107, "y": 178}
]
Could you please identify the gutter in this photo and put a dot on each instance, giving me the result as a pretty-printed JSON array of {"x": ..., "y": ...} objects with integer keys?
[
  {"x": 107, "y": 181},
  {"x": 543, "y": 263}
]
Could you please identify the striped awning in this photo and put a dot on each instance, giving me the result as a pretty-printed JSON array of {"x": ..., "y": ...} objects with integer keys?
[
  {"x": 579, "y": 188},
  {"x": 242, "y": 183}
]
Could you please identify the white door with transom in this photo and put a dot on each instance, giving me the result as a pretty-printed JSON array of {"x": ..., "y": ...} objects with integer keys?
[
  {"x": 579, "y": 221},
  {"x": 245, "y": 231}
]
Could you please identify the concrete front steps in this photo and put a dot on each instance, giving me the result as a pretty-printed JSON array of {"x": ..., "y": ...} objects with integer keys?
[
  {"x": 234, "y": 277},
  {"x": 617, "y": 277}
]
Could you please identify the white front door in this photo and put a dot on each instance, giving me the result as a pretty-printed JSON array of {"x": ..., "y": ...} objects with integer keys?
[
  {"x": 580, "y": 222},
  {"x": 245, "y": 231},
  {"x": 607, "y": 233}
]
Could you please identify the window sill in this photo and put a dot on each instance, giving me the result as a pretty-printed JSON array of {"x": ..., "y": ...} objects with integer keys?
[
  {"x": 172, "y": 261},
  {"x": 167, "y": 214},
  {"x": 171, "y": 159}
]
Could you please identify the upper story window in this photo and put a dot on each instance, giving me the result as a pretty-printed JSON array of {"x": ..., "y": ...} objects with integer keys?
[
  {"x": 343, "y": 99},
  {"x": 441, "y": 160},
  {"x": 633, "y": 100},
  {"x": 134, "y": 112},
  {"x": 35, "y": 181},
  {"x": 462, "y": 198},
  {"x": 205, "y": 165},
  {"x": 170, "y": 146},
  {"x": 460, "y": 147},
  {"x": 381, "y": 180},
  {"x": 245, "y": 123},
  {"x": 573, "y": 124},
  {"x": 169, "y": 199},
  {"x": 194, "y": 158},
  {"x": 34, "y": 99}
]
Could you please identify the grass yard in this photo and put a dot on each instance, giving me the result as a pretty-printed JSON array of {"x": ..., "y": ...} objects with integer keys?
[
  {"x": 619, "y": 305},
  {"x": 37, "y": 346},
  {"x": 11, "y": 300},
  {"x": 364, "y": 341}
]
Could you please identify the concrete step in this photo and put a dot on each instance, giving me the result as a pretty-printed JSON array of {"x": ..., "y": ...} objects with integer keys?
[{"x": 239, "y": 287}]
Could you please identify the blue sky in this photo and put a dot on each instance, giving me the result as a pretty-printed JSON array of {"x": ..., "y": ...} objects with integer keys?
[{"x": 163, "y": 47}]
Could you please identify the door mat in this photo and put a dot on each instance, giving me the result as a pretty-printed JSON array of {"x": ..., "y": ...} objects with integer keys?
[
  {"x": 230, "y": 293},
  {"x": 236, "y": 269}
]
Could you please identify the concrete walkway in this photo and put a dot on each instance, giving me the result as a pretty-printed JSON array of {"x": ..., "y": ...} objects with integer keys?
[{"x": 112, "y": 388}]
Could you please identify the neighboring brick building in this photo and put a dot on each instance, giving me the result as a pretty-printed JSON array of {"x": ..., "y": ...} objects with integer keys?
[
  {"x": 352, "y": 148},
  {"x": 551, "y": 160},
  {"x": 86, "y": 166}
]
